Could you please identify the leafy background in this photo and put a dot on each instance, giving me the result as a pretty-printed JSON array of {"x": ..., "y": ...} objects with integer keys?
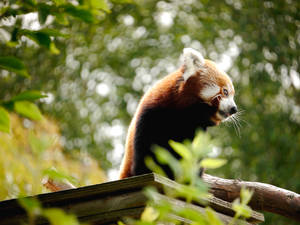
[{"x": 94, "y": 60}]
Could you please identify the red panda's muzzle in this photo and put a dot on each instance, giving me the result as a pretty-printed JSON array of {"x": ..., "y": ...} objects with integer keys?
[{"x": 227, "y": 107}]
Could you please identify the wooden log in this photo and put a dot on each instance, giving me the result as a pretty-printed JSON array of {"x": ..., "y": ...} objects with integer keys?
[{"x": 266, "y": 197}]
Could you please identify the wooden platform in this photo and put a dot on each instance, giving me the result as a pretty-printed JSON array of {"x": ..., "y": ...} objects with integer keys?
[{"x": 108, "y": 202}]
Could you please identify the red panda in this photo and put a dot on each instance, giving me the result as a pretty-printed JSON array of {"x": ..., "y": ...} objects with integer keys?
[{"x": 197, "y": 95}]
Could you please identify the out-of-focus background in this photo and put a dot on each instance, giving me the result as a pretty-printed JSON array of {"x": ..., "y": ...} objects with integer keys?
[{"x": 94, "y": 60}]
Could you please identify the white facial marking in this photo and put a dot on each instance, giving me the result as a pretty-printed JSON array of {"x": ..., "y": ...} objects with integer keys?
[
  {"x": 209, "y": 91},
  {"x": 226, "y": 104},
  {"x": 193, "y": 61}
]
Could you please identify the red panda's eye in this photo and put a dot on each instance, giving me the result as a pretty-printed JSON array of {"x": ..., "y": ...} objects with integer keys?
[{"x": 225, "y": 91}]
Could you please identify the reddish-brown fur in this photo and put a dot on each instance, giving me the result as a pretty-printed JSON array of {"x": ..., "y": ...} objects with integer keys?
[{"x": 173, "y": 92}]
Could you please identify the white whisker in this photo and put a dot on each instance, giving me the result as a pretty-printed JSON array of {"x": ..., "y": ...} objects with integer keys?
[
  {"x": 236, "y": 122},
  {"x": 236, "y": 127}
]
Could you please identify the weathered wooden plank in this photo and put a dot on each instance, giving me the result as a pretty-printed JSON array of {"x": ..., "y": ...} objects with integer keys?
[
  {"x": 108, "y": 204},
  {"x": 87, "y": 209},
  {"x": 111, "y": 217},
  {"x": 11, "y": 208},
  {"x": 105, "y": 200}
]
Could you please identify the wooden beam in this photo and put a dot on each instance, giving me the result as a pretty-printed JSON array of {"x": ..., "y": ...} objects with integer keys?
[{"x": 108, "y": 202}]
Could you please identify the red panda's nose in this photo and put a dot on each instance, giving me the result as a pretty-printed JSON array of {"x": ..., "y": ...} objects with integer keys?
[{"x": 233, "y": 110}]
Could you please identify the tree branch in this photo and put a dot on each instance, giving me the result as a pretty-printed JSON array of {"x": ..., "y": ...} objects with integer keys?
[{"x": 266, "y": 197}]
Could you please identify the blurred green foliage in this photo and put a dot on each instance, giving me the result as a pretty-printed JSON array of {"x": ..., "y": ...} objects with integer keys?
[
  {"x": 32, "y": 153},
  {"x": 162, "y": 211},
  {"x": 13, "y": 16},
  {"x": 95, "y": 66}
]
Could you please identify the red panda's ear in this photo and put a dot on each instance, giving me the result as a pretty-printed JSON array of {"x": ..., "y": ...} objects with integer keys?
[{"x": 193, "y": 61}]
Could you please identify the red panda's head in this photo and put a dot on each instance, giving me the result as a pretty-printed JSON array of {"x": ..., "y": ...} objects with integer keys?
[{"x": 209, "y": 83}]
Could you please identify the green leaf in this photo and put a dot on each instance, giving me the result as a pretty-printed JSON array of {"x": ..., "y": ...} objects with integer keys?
[
  {"x": 246, "y": 195},
  {"x": 53, "y": 49},
  {"x": 13, "y": 64},
  {"x": 122, "y": 1},
  {"x": 40, "y": 38},
  {"x": 193, "y": 215},
  {"x": 30, "y": 2},
  {"x": 29, "y": 96},
  {"x": 121, "y": 223},
  {"x": 28, "y": 109},
  {"x": 14, "y": 35},
  {"x": 198, "y": 140},
  {"x": 181, "y": 149},
  {"x": 61, "y": 18},
  {"x": 59, "y": 2},
  {"x": 202, "y": 144},
  {"x": 149, "y": 214},
  {"x": 59, "y": 176},
  {"x": 211, "y": 163},
  {"x": 193, "y": 193},
  {"x": 78, "y": 12},
  {"x": 99, "y": 4},
  {"x": 43, "y": 12},
  {"x": 154, "y": 167},
  {"x": 53, "y": 32},
  {"x": 241, "y": 209},
  {"x": 4, "y": 120},
  {"x": 166, "y": 158},
  {"x": 31, "y": 205},
  {"x": 59, "y": 217},
  {"x": 212, "y": 217}
]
